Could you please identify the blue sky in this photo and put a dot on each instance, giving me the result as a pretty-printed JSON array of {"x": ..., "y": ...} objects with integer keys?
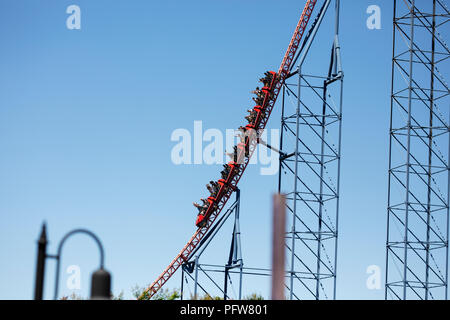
[{"x": 86, "y": 117}]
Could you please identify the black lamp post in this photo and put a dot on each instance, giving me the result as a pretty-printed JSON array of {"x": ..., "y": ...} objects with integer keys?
[
  {"x": 101, "y": 279},
  {"x": 40, "y": 265}
]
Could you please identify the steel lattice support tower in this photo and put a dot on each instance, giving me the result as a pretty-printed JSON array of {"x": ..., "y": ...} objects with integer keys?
[
  {"x": 418, "y": 184},
  {"x": 311, "y": 123}
]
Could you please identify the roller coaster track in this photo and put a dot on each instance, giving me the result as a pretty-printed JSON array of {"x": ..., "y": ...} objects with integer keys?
[{"x": 250, "y": 145}]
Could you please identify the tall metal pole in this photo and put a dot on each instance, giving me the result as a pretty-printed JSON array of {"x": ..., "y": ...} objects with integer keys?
[
  {"x": 225, "y": 287},
  {"x": 322, "y": 164},
  {"x": 196, "y": 278},
  {"x": 238, "y": 240},
  {"x": 294, "y": 216},
  {"x": 280, "y": 165},
  {"x": 241, "y": 270},
  {"x": 408, "y": 154},
  {"x": 278, "y": 246},
  {"x": 182, "y": 284},
  {"x": 448, "y": 217},
  {"x": 430, "y": 158},
  {"x": 338, "y": 65},
  {"x": 40, "y": 265},
  {"x": 390, "y": 153}
]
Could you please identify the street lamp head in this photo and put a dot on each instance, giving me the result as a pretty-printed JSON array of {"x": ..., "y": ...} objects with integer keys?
[{"x": 101, "y": 285}]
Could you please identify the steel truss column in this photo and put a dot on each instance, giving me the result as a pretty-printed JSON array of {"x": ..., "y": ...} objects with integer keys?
[
  {"x": 235, "y": 257},
  {"x": 310, "y": 169},
  {"x": 418, "y": 183},
  {"x": 235, "y": 261}
]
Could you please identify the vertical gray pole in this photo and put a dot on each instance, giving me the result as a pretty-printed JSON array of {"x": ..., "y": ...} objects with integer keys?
[
  {"x": 294, "y": 216},
  {"x": 341, "y": 102},
  {"x": 336, "y": 28},
  {"x": 196, "y": 278},
  {"x": 278, "y": 246},
  {"x": 281, "y": 139},
  {"x": 386, "y": 287},
  {"x": 322, "y": 164},
  {"x": 182, "y": 283},
  {"x": 225, "y": 286},
  {"x": 238, "y": 228},
  {"x": 448, "y": 217},
  {"x": 408, "y": 157},
  {"x": 238, "y": 240},
  {"x": 339, "y": 66},
  {"x": 430, "y": 158},
  {"x": 240, "y": 282}
]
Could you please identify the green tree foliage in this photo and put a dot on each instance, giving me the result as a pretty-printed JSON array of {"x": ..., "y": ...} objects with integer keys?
[
  {"x": 206, "y": 296},
  {"x": 164, "y": 294},
  {"x": 254, "y": 296}
]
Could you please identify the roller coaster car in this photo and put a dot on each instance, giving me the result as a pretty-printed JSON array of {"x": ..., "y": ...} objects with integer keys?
[
  {"x": 274, "y": 75},
  {"x": 201, "y": 221},
  {"x": 258, "y": 110},
  {"x": 222, "y": 184},
  {"x": 232, "y": 166},
  {"x": 202, "y": 217},
  {"x": 273, "y": 80},
  {"x": 268, "y": 94}
]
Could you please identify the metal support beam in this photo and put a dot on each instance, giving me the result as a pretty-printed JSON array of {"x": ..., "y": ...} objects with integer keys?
[
  {"x": 418, "y": 183},
  {"x": 310, "y": 168}
]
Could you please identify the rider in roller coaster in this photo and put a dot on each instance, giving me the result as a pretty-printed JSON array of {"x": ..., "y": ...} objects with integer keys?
[
  {"x": 233, "y": 155},
  {"x": 214, "y": 187},
  {"x": 201, "y": 208},
  {"x": 224, "y": 173}
]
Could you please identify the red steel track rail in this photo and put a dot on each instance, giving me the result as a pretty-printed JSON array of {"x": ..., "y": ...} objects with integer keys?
[{"x": 268, "y": 105}]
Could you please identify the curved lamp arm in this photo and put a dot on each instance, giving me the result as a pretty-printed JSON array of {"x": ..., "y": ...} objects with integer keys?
[{"x": 61, "y": 243}]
